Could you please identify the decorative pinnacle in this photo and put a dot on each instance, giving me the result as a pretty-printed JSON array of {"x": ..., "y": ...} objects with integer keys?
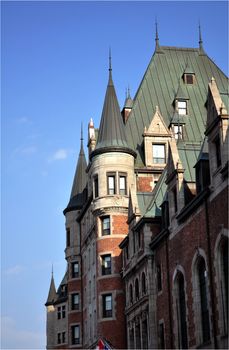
[
  {"x": 200, "y": 38},
  {"x": 156, "y": 36}
]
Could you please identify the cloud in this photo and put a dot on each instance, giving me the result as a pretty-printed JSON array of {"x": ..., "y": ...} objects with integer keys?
[
  {"x": 14, "y": 270},
  {"x": 14, "y": 338},
  {"x": 23, "y": 120},
  {"x": 60, "y": 154},
  {"x": 29, "y": 150}
]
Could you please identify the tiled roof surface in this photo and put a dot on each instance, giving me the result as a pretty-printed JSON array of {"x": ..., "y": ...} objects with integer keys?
[{"x": 159, "y": 86}]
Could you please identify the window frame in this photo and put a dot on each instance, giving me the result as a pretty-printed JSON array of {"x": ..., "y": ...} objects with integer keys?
[
  {"x": 75, "y": 306},
  {"x": 107, "y": 313},
  {"x": 74, "y": 274},
  {"x": 106, "y": 231},
  {"x": 75, "y": 340},
  {"x": 182, "y": 109},
  {"x": 111, "y": 190},
  {"x": 158, "y": 160},
  {"x": 96, "y": 186},
  {"x": 122, "y": 191},
  {"x": 68, "y": 237},
  {"x": 106, "y": 270}
]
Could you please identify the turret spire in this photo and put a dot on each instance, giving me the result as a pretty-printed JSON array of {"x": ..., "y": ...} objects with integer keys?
[
  {"x": 200, "y": 39},
  {"x": 156, "y": 36},
  {"x": 52, "y": 292},
  {"x": 110, "y": 69}
]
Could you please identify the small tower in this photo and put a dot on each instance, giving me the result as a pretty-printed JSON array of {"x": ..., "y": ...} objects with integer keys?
[
  {"x": 50, "y": 321},
  {"x": 112, "y": 173},
  {"x": 127, "y": 107},
  {"x": 72, "y": 252}
]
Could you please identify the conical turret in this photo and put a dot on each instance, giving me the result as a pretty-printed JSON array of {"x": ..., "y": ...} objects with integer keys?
[
  {"x": 52, "y": 293},
  {"x": 79, "y": 182},
  {"x": 111, "y": 134}
]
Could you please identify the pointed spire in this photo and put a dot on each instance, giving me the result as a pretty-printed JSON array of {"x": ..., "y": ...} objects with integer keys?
[
  {"x": 111, "y": 130},
  {"x": 201, "y": 48},
  {"x": 80, "y": 180},
  {"x": 110, "y": 82},
  {"x": 156, "y": 36},
  {"x": 52, "y": 292}
]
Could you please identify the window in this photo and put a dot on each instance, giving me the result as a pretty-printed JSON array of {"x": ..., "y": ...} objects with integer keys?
[
  {"x": 75, "y": 334},
  {"x": 139, "y": 239},
  {"x": 217, "y": 151},
  {"x": 105, "y": 226},
  {"x": 106, "y": 264},
  {"x": 111, "y": 184},
  {"x": 122, "y": 184},
  {"x": 59, "y": 312},
  {"x": 68, "y": 237},
  {"x": 181, "y": 312},
  {"x": 131, "y": 294},
  {"x": 63, "y": 311},
  {"x": 136, "y": 289},
  {"x": 189, "y": 78},
  {"x": 224, "y": 283},
  {"x": 127, "y": 251},
  {"x": 96, "y": 187},
  {"x": 143, "y": 283},
  {"x": 144, "y": 334},
  {"x": 107, "y": 305},
  {"x": 178, "y": 132},
  {"x": 161, "y": 336},
  {"x": 158, "y": 154},
  {"x": 182, "y": 107},
  {"x": 75, "y": 269},
  {"x": 174, "y": 190},
  {"x": 202, "y": 276},
  {"x": 63, "y": 337},
  {"x": 58, "y": 338},
  {"x": 75, "y": 301},
  {"x": 159, "y": 279}
]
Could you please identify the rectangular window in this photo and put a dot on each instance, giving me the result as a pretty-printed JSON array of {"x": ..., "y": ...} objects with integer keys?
[
  {"x": 178, "y": 132},
  {"x": 63, "y": 337},
  {"x": 75, "y": 301},
  {"x": 217, "y": 151},
  {"x": 127, "y": 252},
  {"x": 106, "y": 264},
  {"x": 182, "y": 107},
  {"x": 58, "y": 338},
  {"x": 75, "y": 334},
  {"x": 159, "y": 278},
  {"x": 63, "y": 311},
  {"x": 107, "y": 305},
  {"x": 161, "y": 336},
  {"x": 59, "y": 312},
  {"x": 122, "y": 185},
  {"x": 96, "y": 187},
  {"x": 75, "y": 269},
  {"x": 175, "y": 199},
  {"x": 106, "y": 226},
  {"x": 189, "y": 79},
  {"x": 158, "y": 154},
  {"x": 68, "y": 237},
  {"x": 111, "y": 184}
]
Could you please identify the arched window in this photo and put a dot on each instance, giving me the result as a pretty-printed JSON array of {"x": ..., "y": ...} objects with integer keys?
[
  {"x": 202, "y": 281},
  {"x": 131, "y": 294},
  {"x": 143, "y": 283},
  {"x": 136, "y": 289},
  {"x": 180, "y": 304},
  {"x": 224, "y": 281}
]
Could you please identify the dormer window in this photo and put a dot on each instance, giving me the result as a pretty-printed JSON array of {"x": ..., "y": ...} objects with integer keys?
[
  {"x": 182, "y": 107},
  {"x": 158, "y": 153},
  {"x": 178, "y": 132},
  {"x": 189, "y": 78}
]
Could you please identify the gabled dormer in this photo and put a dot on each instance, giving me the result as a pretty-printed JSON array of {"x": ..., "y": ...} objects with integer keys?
[
  {"x": 217, "y": 130},
  {"x": 180, "y": 102},
  {"x": 156, "y": 139}
]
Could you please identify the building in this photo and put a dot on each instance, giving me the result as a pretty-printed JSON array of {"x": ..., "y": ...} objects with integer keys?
[{"x": 146, "y": 224}]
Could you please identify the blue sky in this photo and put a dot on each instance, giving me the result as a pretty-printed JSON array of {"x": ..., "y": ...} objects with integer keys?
[{"x": 54, "y": 75}]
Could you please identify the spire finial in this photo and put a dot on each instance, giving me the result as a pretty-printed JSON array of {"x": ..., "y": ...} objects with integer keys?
[
  {"x": 52, "y": 270},
  {"x": 110, "y": 67},
  {"x": 200, "y": 38},
  {"x": 156, "y": 36},
  {"x": 128, "y": 92},
  {"x": 81, "y": 137}
]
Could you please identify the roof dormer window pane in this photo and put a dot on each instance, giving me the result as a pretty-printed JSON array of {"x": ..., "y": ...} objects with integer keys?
[
  {"x": 158, "y": 154},
  {"x": 182, "y": 107}
]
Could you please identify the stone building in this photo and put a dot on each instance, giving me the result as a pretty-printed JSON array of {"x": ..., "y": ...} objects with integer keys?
[{"x": 146, "y": 224}]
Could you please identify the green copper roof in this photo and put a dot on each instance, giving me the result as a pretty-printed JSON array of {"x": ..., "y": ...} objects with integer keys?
[
  {"x": 79, "y": 182},
  {"x": 159, "y": 86},
  {"x": 144, "y": 199},
  {"x": 52, "y": 296},
  {"x": 154, "y": 207},
  {"x": 111, "y": 130}
]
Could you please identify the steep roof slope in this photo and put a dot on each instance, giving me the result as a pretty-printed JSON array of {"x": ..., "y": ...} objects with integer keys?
[{"x": 161, "y": 84}]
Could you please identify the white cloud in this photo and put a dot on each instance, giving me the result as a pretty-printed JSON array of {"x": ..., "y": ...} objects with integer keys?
[
  {"x": 14, "y": 338},
  {"x": 60, "y": 154},
  {"x": 14, "y": 270},
  {"x": 28, "y": 150},
  {"x": 23, "y": 120}
]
